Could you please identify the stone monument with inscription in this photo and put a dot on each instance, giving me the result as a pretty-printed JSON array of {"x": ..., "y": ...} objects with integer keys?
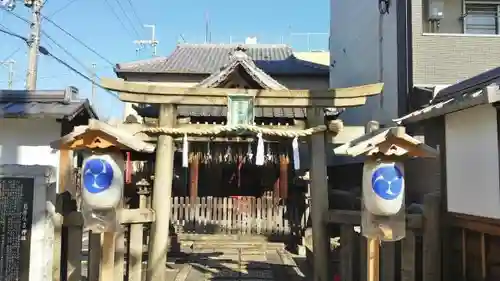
[{"x": 26, "y": 228}]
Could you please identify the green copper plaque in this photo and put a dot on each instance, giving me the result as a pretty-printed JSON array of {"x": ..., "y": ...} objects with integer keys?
[{"x": 240, "y": 110}]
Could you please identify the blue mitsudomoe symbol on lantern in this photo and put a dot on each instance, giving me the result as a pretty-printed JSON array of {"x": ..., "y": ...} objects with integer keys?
[
  {"x": 387, "y": 182},
  {"x": 98, "y": 175}
]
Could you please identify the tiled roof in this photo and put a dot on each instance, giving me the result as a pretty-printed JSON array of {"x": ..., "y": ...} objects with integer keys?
[
  {"x": 480, "y": 89},
  {"x": 54, "y": 104},
  {"x": 457, "y": 102},
  {"x": 221, "y": 111},
  {"x": 473, "y": 84},
  {"x": 209, "y": 58},
  {"x": 239, "y": 59}
]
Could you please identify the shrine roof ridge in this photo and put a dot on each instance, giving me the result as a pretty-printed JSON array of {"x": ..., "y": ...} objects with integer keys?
[{"x": 209, "y": 58}]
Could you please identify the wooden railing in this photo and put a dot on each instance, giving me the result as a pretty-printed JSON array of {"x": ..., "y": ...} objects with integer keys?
[
  {"x": 418, "y": 254},
  {"x": 109, "y": 256},
  {"x": 243, "y": 215},
  {"x": 106, "y": 253},
  {"x": 473, "y": 245}
]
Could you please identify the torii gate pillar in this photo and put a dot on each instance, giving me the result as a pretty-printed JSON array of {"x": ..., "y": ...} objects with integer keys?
[
  {"x": 162, "y": 194},
  {"x": 319, "y": 195}
]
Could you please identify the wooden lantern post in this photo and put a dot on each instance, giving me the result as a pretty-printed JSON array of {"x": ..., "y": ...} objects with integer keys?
[
  {"x": 391, "y": 144},
  {"x": 168, "y": 97},
  {"x": 100, "y": 136}
]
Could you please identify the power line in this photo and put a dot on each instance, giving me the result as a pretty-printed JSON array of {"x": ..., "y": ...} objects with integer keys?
[
  {"x": 48, "y": 77},
  {"x": 127, "y": 17},
  {"x": 9, "y": 32},
  {"x": 68, "y": 53},
  {"x": 53, "y": 41},
  {"x": 117, "y": 17},
  {"x": 46, "y": 52},
  {"x": 79, "y": 73},
  {"x": 62, "y": 8},
  {"x": 78, "y": 40},
  {"x": 139, "y": 21},
  {"x": 12, "y": 54},
  {"x": 18, "y": 16}
]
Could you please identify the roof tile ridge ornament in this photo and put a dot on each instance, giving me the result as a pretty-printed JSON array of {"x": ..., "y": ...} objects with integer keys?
[{"x": 239, "y": 53}]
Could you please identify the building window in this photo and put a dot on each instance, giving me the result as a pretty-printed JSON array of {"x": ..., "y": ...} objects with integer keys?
[{"x": 482, "y": 17}]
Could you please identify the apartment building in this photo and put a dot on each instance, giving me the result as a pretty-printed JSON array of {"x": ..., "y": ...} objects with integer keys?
[
  {"x": 416, "y": 47},
  {"x": 454, "y": 39},
  {"x": 415, "y": 43}
]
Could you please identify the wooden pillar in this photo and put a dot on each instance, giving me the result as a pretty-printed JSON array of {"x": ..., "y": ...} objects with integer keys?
[
  {"x": 432, "y": 240},
  {"x": 65, "y": 171},
  {"x": 162, "y": 197},
  {"x": 319, "y": 196},
  {"x": 373, "y": 244},
  {"x": 283, "y": 180},
  {"x": 276, "y": 187},
  {"x": 107, "y": 269},
  {"x": 136, "y": 236},
  {"x": 373, "y": 260},
  {"x": 194, "y": 172}
]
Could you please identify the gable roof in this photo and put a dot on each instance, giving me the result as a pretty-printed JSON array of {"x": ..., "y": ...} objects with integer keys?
[
  {"x": 240, "y": 59},
  {"x": 480, "y": 89},
  {"x": 401, "y": 144},
  {"x": 209, "y": 58},
  {"x": 59, "y": 104},
  {"x": 122, "y": 137},
  {"x": 473, "y": 84}
]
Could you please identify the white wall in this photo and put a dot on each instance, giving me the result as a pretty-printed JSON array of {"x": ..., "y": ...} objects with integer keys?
[
  {"x": 27, "y": 141},
  {"x": 354, "y": 55},
  {"x": 472, "y": 162}
]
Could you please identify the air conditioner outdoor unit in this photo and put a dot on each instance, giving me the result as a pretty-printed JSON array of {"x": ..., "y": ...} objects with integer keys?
[{"x": 435, "y": 11}]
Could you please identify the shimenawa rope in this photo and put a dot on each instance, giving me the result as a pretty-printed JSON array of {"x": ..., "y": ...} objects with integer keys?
[{"x": 228, "y": 129}]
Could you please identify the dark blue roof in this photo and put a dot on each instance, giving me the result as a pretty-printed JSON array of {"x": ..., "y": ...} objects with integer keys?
[
  {"x": 210, "y": 58},
  {"x": 57, "y": 104}
]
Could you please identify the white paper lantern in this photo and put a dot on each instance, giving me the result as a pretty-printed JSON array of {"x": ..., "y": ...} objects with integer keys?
[
  {"x": 102, "y": 180},
  {"x": 383, "y": 187}
]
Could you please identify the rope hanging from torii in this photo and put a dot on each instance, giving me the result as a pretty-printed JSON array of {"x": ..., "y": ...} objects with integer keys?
[
  {"x": 259, "y": 157},
  {"x": 288, "y": 133}
]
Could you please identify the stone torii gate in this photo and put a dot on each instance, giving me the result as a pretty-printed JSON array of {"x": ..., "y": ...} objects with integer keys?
[{"x": 315, "y": 101}]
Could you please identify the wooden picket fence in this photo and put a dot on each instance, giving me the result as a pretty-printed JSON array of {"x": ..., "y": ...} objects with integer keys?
[
  {"x": 110, "y": 256},
  {"x": 243, "y": 215}
]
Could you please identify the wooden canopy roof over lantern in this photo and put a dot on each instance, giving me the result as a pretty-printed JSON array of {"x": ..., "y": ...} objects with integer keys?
[
  {"x": 100, "y": 135},
  {"x": 387, "y": 142}
]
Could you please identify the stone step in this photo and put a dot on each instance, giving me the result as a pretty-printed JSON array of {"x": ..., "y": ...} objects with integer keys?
[{"x": 234, "y": 244}]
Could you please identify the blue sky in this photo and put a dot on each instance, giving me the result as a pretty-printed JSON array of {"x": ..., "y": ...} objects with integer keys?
[{"x": 103, "y": 25}]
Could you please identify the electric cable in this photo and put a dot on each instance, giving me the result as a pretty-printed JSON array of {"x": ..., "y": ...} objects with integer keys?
[
  {"x": 117, "y": 17},
  {"x": 45, "y": 51},
  {"x": 139, "y": 21},
  {"x": 78, "y": 40},
  {"x": 62, "y": 8}
]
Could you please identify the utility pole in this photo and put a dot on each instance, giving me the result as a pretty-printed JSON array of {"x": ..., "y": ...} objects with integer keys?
[
  {"x": 34, "y": 43},
  {"x": 207, "y": 28},
  {"x": 152, "y": 42},
  {"x": 94, "y": 89},
  {"x": 10, "y": 65}
]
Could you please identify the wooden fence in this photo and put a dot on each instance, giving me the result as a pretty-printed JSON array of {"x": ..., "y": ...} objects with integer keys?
[
  {"x": 244, "y": 215},
  {"x": 108, "y": 256},
  {"x": 473, "y": 245},
  {"x": 416, "y": 257}
]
